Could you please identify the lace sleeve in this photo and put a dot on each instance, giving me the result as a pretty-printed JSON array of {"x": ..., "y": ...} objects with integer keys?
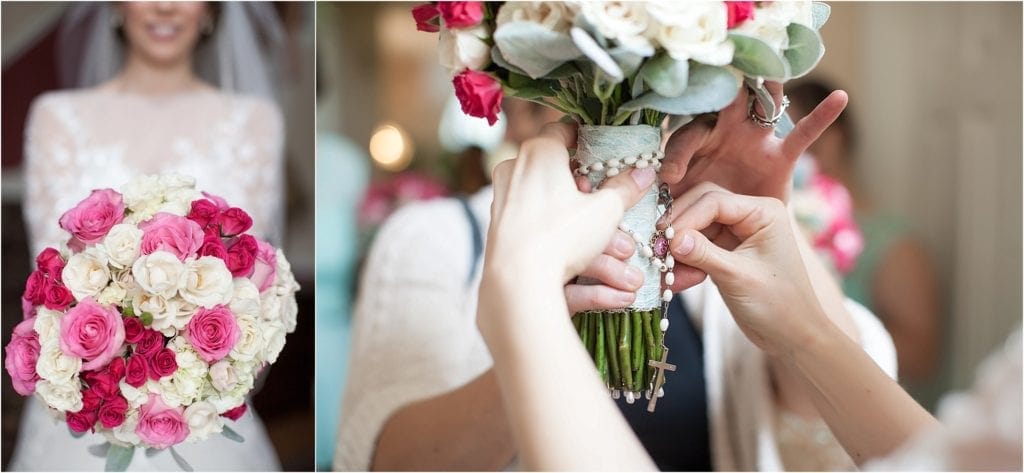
[
  {"x": 49, "y": 147},
  {"x": 262, "y": 148}
]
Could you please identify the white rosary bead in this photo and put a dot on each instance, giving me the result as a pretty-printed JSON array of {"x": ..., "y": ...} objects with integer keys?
[
  {"x": 647, "y": 155},
  {"x": 646, "y": 251},
  {"x": 657, "y": 165},
  {"x": 612, "y": 172},
  {"x": 670, "y": 262},
  {"x": 641, "y": 164},
  {"x": 670, "y": 233},
  {"x": 670, "y": 278},
  {"x": 664, "y": 325},
  {"x": 647, "y": 394},
  {"x": 584, "y": 170},
  {"x": 659, "y": 154},
  {"x": 613, "y": 163},
  {"x": 663, "y": 268},
  {"x": 661, "y": 392},
  {"x": 630, "y": 160},
  {"x": 636, "y": 236},
  {"x": 598, "y": 166},
  {"x": 666, "y": 296},
  {"x": 615, "y": 394},
  {"x": 629, "y": 397},
  {"x": 622, "y": 227}
]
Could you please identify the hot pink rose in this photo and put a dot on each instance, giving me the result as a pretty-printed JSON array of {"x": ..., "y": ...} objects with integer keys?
[
  {"x": 479, "y": 94},
  {"x": 213, "y": 246},
  {"x": 91, "y": 332},
  {"x": 739, "y": 12},
  {"x": 22, "y": 354},
  {"x": 426, "y": 17},
  {"x": 234, "y": 221},
  {"x": 132, "y": 330},
  {"x": 57, "y": 297},
  {"x": 136, "y": 371},
  {"x": 213, "y": 332},
  {"x": 242, "y": 256},
  {"x": 28, "y": 309},
  {"x": 91, "y": 400},
  {"x": 112, "y": 412},
  {"x": 92, "y": 218},
  {"x": 161, "y": 426},
  {"x": 50, "y": 263},
  {"x": 163, "y": 363},
  {"x": 235, "y": 413},
  {"x": 151, "y": 343},
  {"x": 461, "y": 14},
  {"x": 204, "y": 212},
  {"x": 35, "y": 288},
  {"x": 105, "y": 385},
  {"x": 216, "y": 199},
  {"x": 265, "y": 269},
  {"x": 81, "y": 421},
  {"x": 168, "y": 232}
]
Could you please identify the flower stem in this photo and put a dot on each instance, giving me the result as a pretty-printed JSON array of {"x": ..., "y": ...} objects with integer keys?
[
  {"x": 610, "y": 344},
  {"x": 599, "y": 354},
  {"x": 625, "y": 354}
]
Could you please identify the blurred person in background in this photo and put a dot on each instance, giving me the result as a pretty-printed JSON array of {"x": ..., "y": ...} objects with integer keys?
[
  {"x": 160, "y": 87},
  {"x": 894, "y": 276}
]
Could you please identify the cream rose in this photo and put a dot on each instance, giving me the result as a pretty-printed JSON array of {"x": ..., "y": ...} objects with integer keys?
[
  {"x": 273, "y": 334},
  {"x": 693, "y": 30},
  {"x": 207, "y": 282},
  {"x": 464, "y": 49},
  {"x": 245, "y": 299},
  {"x": 47, "y": 323},
  {"x": 624, "y": 22},
  {"x": 125, "y": 433},
  {"x": 54, "y": 366},
  {"x": 250, "y": 343},
  {"x": 771, "y": 20},
  {"x": 86, "y": 273},
  {"x": 224, "y": 401},
  {"x": 223, "y": 376},
  {"x": 203, "y": 420},
  {"x": 169, "y": 315},
  {"x": 122, "y": 245},
  {"x": 159, "y": 273},
  {"x": 113, "y": 294},
  {"x": 555, "y": 16},
  {"x": 63, "y": 397}
]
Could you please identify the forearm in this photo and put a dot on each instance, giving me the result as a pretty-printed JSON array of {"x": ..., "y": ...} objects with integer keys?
[
  {"x": 571, "y": 423},
  {"x": 827, "y": 290},
  {"x": 463, "y": 429},
  {"x": 867, "y": 411}
]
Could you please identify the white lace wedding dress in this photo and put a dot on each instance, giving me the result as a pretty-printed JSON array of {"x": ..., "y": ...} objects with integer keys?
[{"x": 77, "y": 141}]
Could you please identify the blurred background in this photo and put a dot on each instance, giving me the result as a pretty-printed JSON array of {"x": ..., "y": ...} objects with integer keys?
[
  {"x": 931, "y": 153},
  {"x": 29, "y": 34}
]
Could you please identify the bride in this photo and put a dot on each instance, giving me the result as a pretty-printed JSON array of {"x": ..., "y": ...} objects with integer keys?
[{"x": 146, "y": 105}]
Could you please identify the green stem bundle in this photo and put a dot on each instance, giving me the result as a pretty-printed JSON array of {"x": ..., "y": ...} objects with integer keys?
[{"x": 621, "y": 343}]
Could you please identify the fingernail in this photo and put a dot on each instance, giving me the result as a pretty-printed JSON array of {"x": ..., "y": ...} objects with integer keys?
[
  {"x": 623, "y": 244},
  {"x": 686, "y": 246},
  {"x": 626, "y": 298},
  {"x": 634, "y": 276},
  {"x": 643, "y": 177}
]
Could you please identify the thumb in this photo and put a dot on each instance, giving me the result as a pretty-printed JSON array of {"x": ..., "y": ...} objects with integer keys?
[
  {"x": 694, "y": 249},
  {"x": 626, "y": 189}
]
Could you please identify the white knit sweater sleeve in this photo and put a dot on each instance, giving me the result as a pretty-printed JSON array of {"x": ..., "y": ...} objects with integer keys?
[{"x": 414, "y": 330}]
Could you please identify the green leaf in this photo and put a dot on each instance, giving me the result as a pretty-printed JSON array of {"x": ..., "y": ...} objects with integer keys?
[
  {"x": 146, "y": 318},
  {"x": 180, "y": 460},
  {"x": 819, "y": 14},
  {"x": 589, "y": 47},
  {"x": 784, "y": 127},
  {"x": 666, "y": 76},
  {"x": 500, "y": 61},
  {"x": 805, "y": 49},
  {"x": 533, "y": 48},
  {"x": 232, "y": 435},
  {"x": 152, "y": 452},
  {"x": 756, "y": 58},
  {"x": 100, "y": 450},
  {"x": 710, "y": 89},
  {"x": 119, "y": 457}
]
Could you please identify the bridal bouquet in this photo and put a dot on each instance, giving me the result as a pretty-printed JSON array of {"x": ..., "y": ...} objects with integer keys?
[
  {"x": 620, "y": 69},
  {"x": 153, "y": 323}
]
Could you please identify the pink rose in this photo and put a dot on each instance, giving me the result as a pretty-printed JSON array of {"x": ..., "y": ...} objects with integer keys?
[
  {"x": 91, "y": 400},
  {"x": 92, "y": 218},
  {"x": 57, "y": 297},
  {"x": 265, "y": 268},
  {"x": 204, "y": 212},
  {"x": 461, "y": 14},
  {"x": 163, "y": 363},
  {"x": 22, "y": 354},
  {"x": 242, "y": 256},
  {"x": 91, "y": 332},
  {"x": 168, "y": 232},
  {"x": 28, "y": 309},
  {"x": 81, "y": 421},
  {"x": 161, "y": 426},
  {"x": 50, "y": 263},
  {"x": 426, "y": 17},
  {"x": 105, "y": 385},
  {"x": 235, "y": 413},
  {"x": 222, "y": 204},
  {"x": 479, "y": 94},
  {"x": 112, "y": 413},
  {"x": 213, "y": 332},
  {"x": 136, "y": 371},
  {"x": 234, "y": 221},
  {"x": 213, "y": 246},
  {"x": 132, "y": 330},
  {"x": 151, "y": 342},
  {"x": 35, "y": 288},
  {"x": 739, "y": 12}
]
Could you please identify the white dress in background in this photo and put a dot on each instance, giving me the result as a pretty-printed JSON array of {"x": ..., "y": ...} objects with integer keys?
[{"x": 76, "y": 141}]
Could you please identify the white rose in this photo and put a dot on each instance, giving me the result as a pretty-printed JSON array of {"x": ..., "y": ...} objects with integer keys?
[
  {"x": 225, "y": 401},
  {"x": 113, "y": 294},
  {"x": 47, "y": 324},
  {"x": 86, "y": 273},
  {"x": 285, "y": 279},
  {"x": 207, "y": 282},
  {"x": 273, "y": 334},
  {"x": 464, "y": 49},
  {"x": 169, "y": 315},
  {"x": 289, "y": 312},
  {"x": 178, "y": 201},
  {"x": 124, "y": 279},
  {"x": 555, "y": 16},
  {"x": 771, "y": 20},
  {"x": 250, "y": 342},
  {"x": 245, "y": 299},
  {"x": 63, "y": 397},
  {"x": 189, "y": 381},
  {"x": 270, "y": 306},
  {"x": 203, "y": 420},
  {"x": 693, "y": 30},
  {"x": 125, "y": 433},
  {"x": 122, "y": 244},
  {"x": 159, "y": 273},
  {"x": 137, "y": 397},
  {"x": 54, "y": 366},
  {"x": 141, "y": 192},
  {"x": 223, "y": 376},
  {"x": 171, "y": 182},
  {"x": 625, "y": 22}
]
